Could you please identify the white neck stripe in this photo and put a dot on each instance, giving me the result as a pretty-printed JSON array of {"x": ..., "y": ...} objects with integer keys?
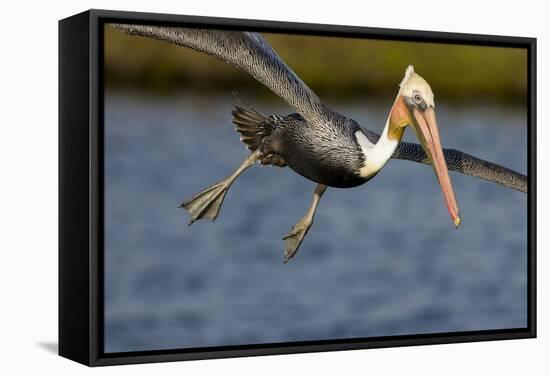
[{"x": 376, "y": 155}]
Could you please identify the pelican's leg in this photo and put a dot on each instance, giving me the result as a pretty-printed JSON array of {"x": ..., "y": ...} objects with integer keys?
[
  {"x": 295, "y": 237},
  {"x": 207, "y": 203}
]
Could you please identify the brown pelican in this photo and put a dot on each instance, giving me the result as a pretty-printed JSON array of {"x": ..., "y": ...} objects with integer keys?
[{"x": 318, "y": 143}]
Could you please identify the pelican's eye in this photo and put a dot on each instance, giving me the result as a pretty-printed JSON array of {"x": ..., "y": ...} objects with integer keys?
[{"x": 417, "y": 98}]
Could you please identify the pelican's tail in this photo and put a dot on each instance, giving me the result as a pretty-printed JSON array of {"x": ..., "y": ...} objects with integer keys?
[{"x": 252, "y": 125}]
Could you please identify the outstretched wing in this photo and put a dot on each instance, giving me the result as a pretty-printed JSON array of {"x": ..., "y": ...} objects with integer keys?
[
  {"x": 247, "y": 50},
  {"x": 253, "y": 54},
  {"x": 466, "y": 164}
]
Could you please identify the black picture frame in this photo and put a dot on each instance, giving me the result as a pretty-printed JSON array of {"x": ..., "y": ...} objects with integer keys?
[{"x": 81, "y": 188}]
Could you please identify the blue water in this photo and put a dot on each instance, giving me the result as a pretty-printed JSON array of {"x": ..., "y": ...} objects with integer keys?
[{"x": 381, "y": 259}]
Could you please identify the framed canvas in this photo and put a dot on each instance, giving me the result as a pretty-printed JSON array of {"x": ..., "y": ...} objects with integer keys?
[{"x": 164, "y": 118}]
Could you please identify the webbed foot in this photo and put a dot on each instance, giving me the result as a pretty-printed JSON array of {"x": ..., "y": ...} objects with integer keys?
[
  {"x": 207, "y": 203},
  {"x": 294, "y": 238}
]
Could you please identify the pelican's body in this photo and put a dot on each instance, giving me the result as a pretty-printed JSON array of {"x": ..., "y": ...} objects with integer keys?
[
  {"x": 327, "y": 154},
  {"x": 318, "y": 143}
]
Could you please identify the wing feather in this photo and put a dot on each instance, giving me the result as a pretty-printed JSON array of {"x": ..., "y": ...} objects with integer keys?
[
  {"x": 248, "y": 51},
  {"x": 466, "y": 164},
  {"x": 252, "y": 53}
]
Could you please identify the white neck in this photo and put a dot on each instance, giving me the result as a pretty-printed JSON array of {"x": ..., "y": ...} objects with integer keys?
[{"x": 376, "y": 155}]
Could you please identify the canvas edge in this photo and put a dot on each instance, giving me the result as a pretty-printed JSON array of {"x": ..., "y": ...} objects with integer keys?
[{"x": 74, "y": 186}]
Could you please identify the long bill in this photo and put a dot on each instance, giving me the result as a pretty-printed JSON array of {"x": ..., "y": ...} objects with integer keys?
[{"x": 428, "y": 135}]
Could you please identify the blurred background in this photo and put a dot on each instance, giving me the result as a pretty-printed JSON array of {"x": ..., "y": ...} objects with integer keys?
[
  {"x": 341, "y": 68},
  {"x": 381, "y": 259}
]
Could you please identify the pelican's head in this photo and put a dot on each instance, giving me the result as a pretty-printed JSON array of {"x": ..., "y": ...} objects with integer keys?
[{"x": 415, "y": 107}]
